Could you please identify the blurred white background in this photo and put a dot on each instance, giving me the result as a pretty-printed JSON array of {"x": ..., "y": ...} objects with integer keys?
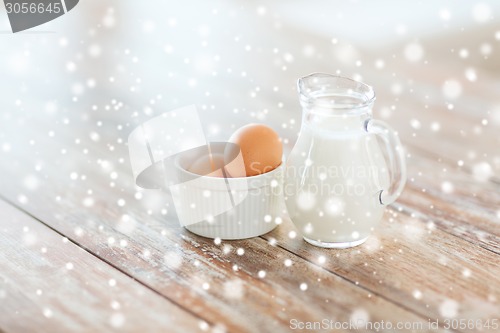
[{"x": 107, "y": 66}]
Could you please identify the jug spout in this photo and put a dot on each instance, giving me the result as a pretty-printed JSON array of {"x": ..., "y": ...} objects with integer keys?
[
  {"x": 310, "y": 84},
  {"x": 334, "y": 92}
]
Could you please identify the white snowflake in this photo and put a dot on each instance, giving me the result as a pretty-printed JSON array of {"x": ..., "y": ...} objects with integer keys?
[
  {"x": 117, "y": 320},
  {"x": 482, "y": 171},
  {"x": 233, "y": 289},
  {"x": 31, "y": 182},
  {"x": 445, "y": 14},
  {"x": 481, "y": 13},
  {"x": 22, "y": 199},
  {"x": 359, "y": 317},
  {"x": 47, "y": 313},
  {"x": 334, "y": 206},
  {"x": 414, "y": 52},
  {"x": 452, "y": 89},
  {"x": 470, "y": 74},
  {"x": 447, "y": 187},
  {"x": 449, "y": 308}
]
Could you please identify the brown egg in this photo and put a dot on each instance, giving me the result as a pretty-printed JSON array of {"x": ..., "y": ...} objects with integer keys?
[{"x": 261, "y": 150}]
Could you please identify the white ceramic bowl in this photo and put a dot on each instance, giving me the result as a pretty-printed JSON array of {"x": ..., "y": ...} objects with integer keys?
[{"x": 227, "y": 208}]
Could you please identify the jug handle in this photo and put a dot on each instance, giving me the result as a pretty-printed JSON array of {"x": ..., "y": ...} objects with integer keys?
[{"x": 396, "y": 160}]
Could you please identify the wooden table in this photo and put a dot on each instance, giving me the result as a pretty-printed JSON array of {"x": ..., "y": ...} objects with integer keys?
[{"x": 83, "y": 249}]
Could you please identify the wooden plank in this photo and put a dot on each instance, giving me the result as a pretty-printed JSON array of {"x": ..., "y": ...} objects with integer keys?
[
  {"x": 449, "y": 197},
  {"x": 452, "y": 219},
  {"x": 455, "y": 138},
  {"x": 108, "y": 213},
  {"x": 48, "y": 284},
  {"x": 145, "y": 249},
  {"x": 415, "y": 264},
  {"x": 181, "y": 266},
  {"x": 152, "y": 250}
]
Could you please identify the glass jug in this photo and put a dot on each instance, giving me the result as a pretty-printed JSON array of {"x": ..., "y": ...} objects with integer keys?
[{"x": 338, "y": 178}]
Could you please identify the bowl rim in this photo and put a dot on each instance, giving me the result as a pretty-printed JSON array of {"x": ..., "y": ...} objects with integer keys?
[
  {"x": 246, "y": 183},
  {"x": 178, "y": 166}
]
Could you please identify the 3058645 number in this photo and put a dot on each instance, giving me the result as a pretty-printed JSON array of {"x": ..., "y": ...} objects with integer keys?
[{"x": 33, "y": 8}]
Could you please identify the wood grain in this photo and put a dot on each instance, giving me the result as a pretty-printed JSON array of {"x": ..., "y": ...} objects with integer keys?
[
  {"x": 437, "y": 247},
  {"x": 66, "y": 214},
  {"x": 178, "y": 265},
  {"x": 385, "y": 265},
  {"x": 49, "y": 284}
]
